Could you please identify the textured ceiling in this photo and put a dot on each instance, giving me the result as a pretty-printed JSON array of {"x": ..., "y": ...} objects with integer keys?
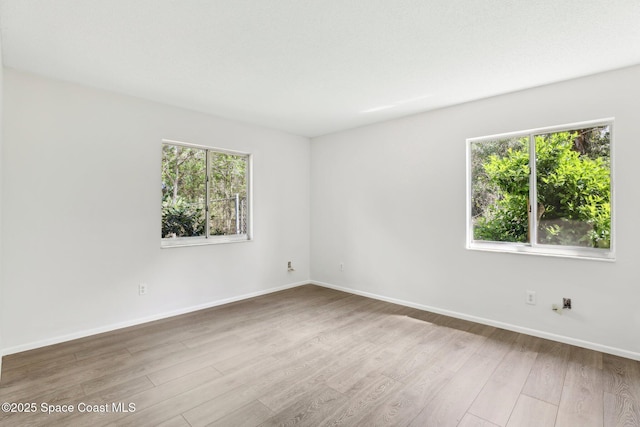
[{"x": 312, "y": 67}]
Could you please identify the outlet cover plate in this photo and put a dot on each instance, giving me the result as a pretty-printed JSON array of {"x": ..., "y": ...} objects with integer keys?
[{"x": 531, "y": 297}]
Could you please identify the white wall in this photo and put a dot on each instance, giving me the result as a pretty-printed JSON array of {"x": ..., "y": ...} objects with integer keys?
[
  {"x": 1, "y": 204},
  {"x": 82, "y": 220},
  {"x": 388, "y": 200}
]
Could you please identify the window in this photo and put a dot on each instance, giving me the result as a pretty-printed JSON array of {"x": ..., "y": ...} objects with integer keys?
[
  {"x": 205, "y": 195},
  {"x": 566, "y": 170}
]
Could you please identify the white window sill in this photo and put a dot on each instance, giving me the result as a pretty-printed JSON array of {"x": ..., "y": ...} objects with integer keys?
[
  {"x": 562, "y": 252},
  {"x": 180, "y": 242}
]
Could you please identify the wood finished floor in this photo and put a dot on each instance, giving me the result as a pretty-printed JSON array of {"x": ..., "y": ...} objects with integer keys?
[{"x": 312, "y": 356}]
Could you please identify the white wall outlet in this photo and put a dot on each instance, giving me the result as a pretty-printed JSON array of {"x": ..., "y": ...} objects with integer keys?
[
  {"x": 289, "y": 266},
  {"x": 142, "y": 289},
  {"x": 341, "y": 266},
  {"x": 531, "y": 297}
]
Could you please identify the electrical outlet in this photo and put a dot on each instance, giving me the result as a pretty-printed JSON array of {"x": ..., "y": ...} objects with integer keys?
[
  {"x": 566, "y": 303},
  {"x": 531, "y": 297},
  {"x": 341, "y": 265},
  {"x": 142, "y": 289},
  {"x": 289, "y": 267}
]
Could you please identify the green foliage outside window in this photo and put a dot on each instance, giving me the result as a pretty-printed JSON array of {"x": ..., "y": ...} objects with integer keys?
[
  {"x": 184, "y": 192},
  {"x": 573, "y": 184}
]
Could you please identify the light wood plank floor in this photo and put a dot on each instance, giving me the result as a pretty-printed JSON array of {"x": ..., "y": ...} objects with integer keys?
[{"x": 311, "y": 356}]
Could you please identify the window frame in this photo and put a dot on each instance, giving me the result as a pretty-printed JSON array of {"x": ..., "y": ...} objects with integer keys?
[
  {"x": 533, "y": 247},
  {"x": 207, "y": 239}
]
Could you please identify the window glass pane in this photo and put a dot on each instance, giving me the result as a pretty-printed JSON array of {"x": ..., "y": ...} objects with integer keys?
[
  {"x": 500, "y": 190},
  {"x": 183, "y": 191},
  {"x": 573, "y": 173},
  {"x": 228, "y": 194}
]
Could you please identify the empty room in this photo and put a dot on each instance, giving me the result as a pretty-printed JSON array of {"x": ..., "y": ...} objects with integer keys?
[{"x": 358, "y": 213}]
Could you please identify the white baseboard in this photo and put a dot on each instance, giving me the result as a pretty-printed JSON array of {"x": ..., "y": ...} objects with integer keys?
[
  {"x": 134, "y": 322},
  {"x": 533, "y": 332},
  {"x": 515, "y": 328}
]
